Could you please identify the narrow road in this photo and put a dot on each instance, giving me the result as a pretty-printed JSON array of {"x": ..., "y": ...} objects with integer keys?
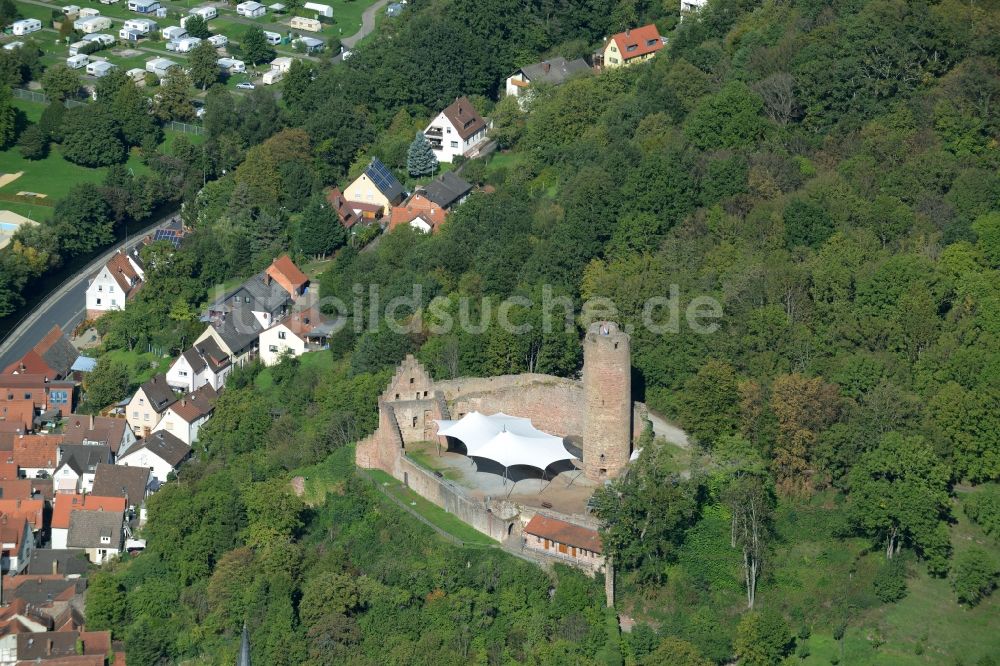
[
  {"x": 66, "y": 304},
  {"x": 367, "y": 25}
]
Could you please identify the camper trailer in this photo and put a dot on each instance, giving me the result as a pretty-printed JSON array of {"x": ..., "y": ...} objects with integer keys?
[
  {"x": 232, "y": 65},
  {"x": 303, "y": 23},
  {"x": 78, "y": 61},
  {"x": 92, "y": 24},
  {"x": 173, "y": 32},
  {"x": 273, "y": 38},
  {"x": 207, "y": 13},
  {"x": 25, "y": 26}
]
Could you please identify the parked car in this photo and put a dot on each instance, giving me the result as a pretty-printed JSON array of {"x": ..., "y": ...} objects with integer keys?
[{"x": 245, "y": 85}]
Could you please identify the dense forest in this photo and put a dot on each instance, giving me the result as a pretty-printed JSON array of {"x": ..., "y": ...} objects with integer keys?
[{"x": 828, "y": 170}]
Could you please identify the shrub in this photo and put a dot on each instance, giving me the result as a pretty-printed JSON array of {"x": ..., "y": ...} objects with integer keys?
[
  {"x": 983, "y": 508},
  {"x": 974, "y": 575},
  {"x": 890, "y": 581}
]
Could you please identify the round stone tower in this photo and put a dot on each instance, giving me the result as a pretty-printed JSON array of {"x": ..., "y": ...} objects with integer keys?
[{"x": 607, "y": 387}]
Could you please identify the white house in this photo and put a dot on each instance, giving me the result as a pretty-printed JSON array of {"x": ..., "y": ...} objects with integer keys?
[
  {"x": 456, "y": 131},
  {"x": 100, "y": 68},
  {"x": 322, "y": 10},
  {"x": 77, "y": 466},
  {"x": 67, "y": 505},
  {"x": 689, "y": 6},
  {"x": 91, "y": 24},
  {"x": 553, "y": 72},
  {"x": 143, "y": 6},
  {"x": 118, "y": 280},
  {"x": 143, "y": 26},
  {"x": 184, "y": 418},
  {"x": 218, "y": 41},
  {"x": 147, "y": 405},
  {"x": 232, "y": 66},
  {"x": 160, "y": 66},
  {"x": 18, "y": 543},
  {"x": 250, "y": 9},
  {"x": 296, "y": 334},
  {"x": 173, "y": 32},
  {"x": 79, "y": 61},
  {"x": 25, "y": 26},
  {"x": 160, "y": 452},
  {"x": 99, "y": 533},
  {"x": 204, "y": 364}
]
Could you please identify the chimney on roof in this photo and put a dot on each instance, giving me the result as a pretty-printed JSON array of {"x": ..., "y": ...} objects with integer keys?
[
  {"x": 55, "y": 566},
  {"x": 546, "y": 66},
  {"x": 91, "y": 422},
  {"x": 628, "y": 31}
]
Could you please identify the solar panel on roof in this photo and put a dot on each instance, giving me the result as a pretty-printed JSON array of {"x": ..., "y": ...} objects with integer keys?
[
  {"x": 381, "y": 176},
  {"x": 168, "y": 235}
]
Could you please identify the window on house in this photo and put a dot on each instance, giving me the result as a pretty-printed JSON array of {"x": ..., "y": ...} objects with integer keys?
[
  {"x": 98, "y": 301},
  {"x": 135, "y": 415},
  {"x": 27, "y": 396},
  {"x": 411, "y": 380},
  {"x": 114, "y": 301},
  {"x": 145, "y": 417},
  {"x": 272, "y": 348},
  {"x": 182, "y": 373},
  {"x": 100, "y": 288},
  {"x": 414, "y": 422},
  {"x": 281, "y": 335},
  {"x": 454, "y": 144}
]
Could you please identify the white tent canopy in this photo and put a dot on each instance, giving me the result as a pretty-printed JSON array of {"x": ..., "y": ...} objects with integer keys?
[{"x": 507, "y": 440}]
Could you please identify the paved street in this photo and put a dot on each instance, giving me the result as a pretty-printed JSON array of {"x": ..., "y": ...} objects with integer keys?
[{"x": 65, "y": 306}]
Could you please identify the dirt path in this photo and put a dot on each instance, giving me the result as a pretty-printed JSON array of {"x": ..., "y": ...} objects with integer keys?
[
  {"x": 668, "y": 431},
  {"x": 367, "y": 25}
]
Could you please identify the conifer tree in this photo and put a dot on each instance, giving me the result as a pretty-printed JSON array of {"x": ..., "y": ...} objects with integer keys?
[{"x": 420, "y": 158}]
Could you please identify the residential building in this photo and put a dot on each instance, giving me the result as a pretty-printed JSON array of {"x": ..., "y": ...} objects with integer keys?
[
  {"x": 184, "y": 418},
  {"x": 65, "y": 505},
  {"x": 298, "y": 333},
  {"x": 99, "y": 533},
  {"x": 447, "y": 190},
  {"x": 17, "y": 416},
  {"x": 260, "y": 300},
  {"x": 574, "y": 544},
  {"x": 77, "y": 466},
  {"x": 112, "y": 432},
  {"x": 148, "y": 404},
  {"x": 458, "y": 130},
  {"x": 204, "y": 364},
  {"x": 630, "y": 47},
  {"x": 130, "y": 483},
  {"x": 237, "y": 340},
  {"x": 250, "y": 9},
  {"x": 118, "y": 280},
  {"x": 691, "y": 6},
  {"x": 36, "y": 456},
  {"x": 17, "y": 542},
  {"x": 377, "y": 186},
  {"x": 49, "y": 561},
  {"x": 418, "y": 212},
  {"x": 160, "y": 452},
  {"x": 552, "y": 72},
  {"x": 44, "y": 393},
  {"x": 348, "y": 218},
  {"x": 284, "y": 271}
]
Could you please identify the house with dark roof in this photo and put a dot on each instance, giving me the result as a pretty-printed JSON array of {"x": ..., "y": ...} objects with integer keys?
[
  {"x": 458, "y": 130},
  {"x": 573, "y": 544},
  {"x": 184, "y": 418},
  {"x": 65, "y": 504},
  {"x": 114, "y": 284},
  {"x": 100, "y": 533},
  {"x": 63, "y": 562},
  {"x": 447, "y": 190},
  {"x": 131, "y": 483},
  {"x": 52, "y": 357},
  {"x": 260, "y": 298},
  {"x": 57, "y": 647},
  {"x": 551, "y": 72},
  {"x": 77, "y": 466},
  {"x": 238, "y": 340},
  {"x": 203, "y": 364},
  {"x": 375, "y": 191},
  {"x": 348, "y": 218},
  {"x": 148, "y": 404},
  {"x": 161, "y": 453},
  {"x": 629, "y": 47},
  {"x": 112, "y": 432}
]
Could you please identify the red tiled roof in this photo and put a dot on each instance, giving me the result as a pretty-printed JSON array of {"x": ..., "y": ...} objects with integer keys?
[
  {"x": 19, "y": 412},
  {"x": 284, "y": 271},
  {"x": 65, "y": 504},
  {"x": 28, "y": 509},
  {"x": 196, "y": 404},
  {"x": 417, "y": 206},
  {"x": 35, "y": 451},
  {"x": 12, "y": 488},
  {"x": 365, "y": 206},
  {"x": 642, "y": 41},
  {"x": 30, "y": 363},
  {"x": 8, "y": 471},
  {"x": 12, "y": 531},
  {"x": 563, "y": 532}
]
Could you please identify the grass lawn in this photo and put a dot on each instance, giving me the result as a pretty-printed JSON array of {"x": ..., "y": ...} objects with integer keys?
[
  {"x": 142, "y": 365},
  {"x": 322, "y": 360},
  {"x": 427, "y": 458},
  {"x": 431, "y": 512}
]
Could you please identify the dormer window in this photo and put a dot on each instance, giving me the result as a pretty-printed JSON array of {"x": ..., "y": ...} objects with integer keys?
[
  {"x": 632, "y": 47},
  {"x": 106, "y": 539}
]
